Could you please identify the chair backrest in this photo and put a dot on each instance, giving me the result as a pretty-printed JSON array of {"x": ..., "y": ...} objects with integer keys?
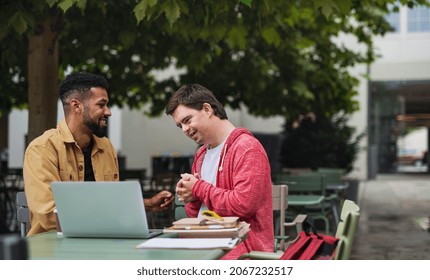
[
  {"x": 331, "y": 170},
  {"x": 310, "y": 182},
  {"x": 22, "y": 213},
  {"x": 179, "y": 209},
  {"x": 346, "y": 229},
  {"x": 333, "y": 176},
  {"x": 280, "y": 203}
]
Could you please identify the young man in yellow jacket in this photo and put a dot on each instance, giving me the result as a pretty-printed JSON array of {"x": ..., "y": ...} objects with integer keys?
[{"x": 77, "y": 150}]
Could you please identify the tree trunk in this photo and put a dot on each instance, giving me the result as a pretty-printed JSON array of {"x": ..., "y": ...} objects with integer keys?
[
  {"x": 4, "y": 128},
  {"x": 43, "y": 76}
]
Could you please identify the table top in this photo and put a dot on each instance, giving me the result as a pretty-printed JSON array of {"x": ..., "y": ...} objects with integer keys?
[
  {"x": 337, "y": 187},
  {"x": 52, "y": 246}
]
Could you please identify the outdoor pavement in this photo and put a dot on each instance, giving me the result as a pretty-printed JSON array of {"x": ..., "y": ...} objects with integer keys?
[{"x": 395, "y": 211}]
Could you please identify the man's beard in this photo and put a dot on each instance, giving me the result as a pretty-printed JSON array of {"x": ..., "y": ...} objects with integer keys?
[{"x": 94, "y": 127}]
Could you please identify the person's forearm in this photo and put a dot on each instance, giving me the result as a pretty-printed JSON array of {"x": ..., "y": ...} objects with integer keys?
[{"x": 147, "y": 203}]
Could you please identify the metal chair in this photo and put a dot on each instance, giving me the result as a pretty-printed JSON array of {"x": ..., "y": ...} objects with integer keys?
[
  {"x": 179, "y": 208},
  {"x": 280, "y": 204},
  {"x": 23, "y": 213},
  {"x": 307, "y": 194},
  {"x": 346, "y": 229},
  {"x": 335, "y": 187},
  {"x": 345, "y": 232}
]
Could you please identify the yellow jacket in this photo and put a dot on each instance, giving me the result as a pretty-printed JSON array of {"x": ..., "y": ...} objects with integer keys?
[{"x": 55, "y": 156}]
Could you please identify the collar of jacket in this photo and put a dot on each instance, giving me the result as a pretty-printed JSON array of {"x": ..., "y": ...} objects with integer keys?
[{"x": 68, "y": 136}]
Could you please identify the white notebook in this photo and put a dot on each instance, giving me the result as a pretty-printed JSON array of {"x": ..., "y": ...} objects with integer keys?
[{"x": 189, "y": 243}]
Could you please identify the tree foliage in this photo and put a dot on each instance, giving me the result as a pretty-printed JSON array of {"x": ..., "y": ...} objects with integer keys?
[{"x": 276, "y": 57}]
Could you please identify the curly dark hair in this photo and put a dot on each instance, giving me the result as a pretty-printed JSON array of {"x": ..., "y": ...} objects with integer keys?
[{"x": 78, "y": 85}]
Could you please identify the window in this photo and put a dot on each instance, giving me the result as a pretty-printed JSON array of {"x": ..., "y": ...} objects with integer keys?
[
  {"x": 419, "y": 19},
  {"x": 394, "y": 20}
]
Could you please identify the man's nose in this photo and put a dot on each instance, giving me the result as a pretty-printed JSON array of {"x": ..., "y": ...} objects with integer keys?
[{"x": 108, "y": 112}]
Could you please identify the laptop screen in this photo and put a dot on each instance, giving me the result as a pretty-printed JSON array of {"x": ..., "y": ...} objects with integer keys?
[{"x": 101, "y": 209}]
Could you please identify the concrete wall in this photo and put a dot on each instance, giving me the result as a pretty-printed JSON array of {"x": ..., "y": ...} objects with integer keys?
[
  {"x": 404, "y": 55},
  {"x": 359, "y": 121}
]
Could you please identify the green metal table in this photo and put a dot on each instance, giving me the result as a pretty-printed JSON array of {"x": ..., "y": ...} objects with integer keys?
[{"x": 52, "y": 246}]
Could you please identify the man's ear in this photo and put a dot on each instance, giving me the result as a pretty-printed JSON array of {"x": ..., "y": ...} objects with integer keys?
[
  {"x": 207, "y": 108},
  {"x": 75, "y": 105}
]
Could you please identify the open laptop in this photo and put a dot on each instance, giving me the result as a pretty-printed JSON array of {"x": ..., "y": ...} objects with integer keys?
[{"x": 101, "y": 209}]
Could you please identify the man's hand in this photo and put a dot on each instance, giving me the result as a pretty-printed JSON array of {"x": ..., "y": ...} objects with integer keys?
[
  {"x": 159, "y": 202},
  {"x": 184, "y": 188}
]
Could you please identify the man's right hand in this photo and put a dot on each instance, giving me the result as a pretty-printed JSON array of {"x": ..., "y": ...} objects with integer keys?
[
  {"x": 159, "y": 202},
  {"x": 184, "y": 187}
]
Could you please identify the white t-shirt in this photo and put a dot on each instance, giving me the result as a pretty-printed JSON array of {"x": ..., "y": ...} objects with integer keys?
[{"x": 210, "y": 167}]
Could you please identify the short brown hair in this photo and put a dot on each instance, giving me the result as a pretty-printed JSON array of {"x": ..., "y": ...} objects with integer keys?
[{"x": 194, "y": 96}]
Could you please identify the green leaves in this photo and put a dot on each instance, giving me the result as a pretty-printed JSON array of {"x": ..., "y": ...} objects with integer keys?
[
  {"x": 172, "y": 9},
  {"x": 18, "y": 22},
  {"x": 247, "y": 2},
  {"x": 271, "y": 36},
  {"x": 237, "y": 37},
  {"x": 330, "y": 7},
  {"x": 67, "y": 4},
  {"x": 144, "y": 9},
  {"x": 344, "y": 6}
]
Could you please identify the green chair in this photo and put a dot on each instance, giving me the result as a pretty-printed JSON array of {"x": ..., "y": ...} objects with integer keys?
[
  {"x": 306, "y": 195},
  {"x": 179, "y": 208},
  {"x": 334, "y": 179},
  {"x": 346, "y": 229},
  {"x": 335, "y": 188},
  {"x": 334, "y": 170}
]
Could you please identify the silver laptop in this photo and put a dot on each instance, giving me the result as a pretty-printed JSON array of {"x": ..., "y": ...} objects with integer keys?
[{"x": 101, "y": 209}]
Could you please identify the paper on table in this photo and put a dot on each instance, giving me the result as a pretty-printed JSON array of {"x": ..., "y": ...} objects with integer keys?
[{"x": 188, "y": 243}]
